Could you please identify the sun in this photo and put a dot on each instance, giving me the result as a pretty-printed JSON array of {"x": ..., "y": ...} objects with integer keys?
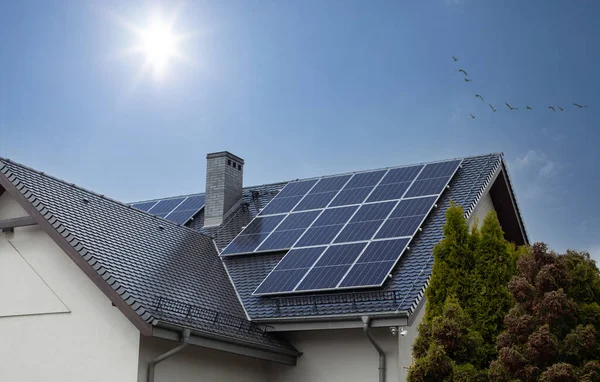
[{"x": 158, "y": 42}]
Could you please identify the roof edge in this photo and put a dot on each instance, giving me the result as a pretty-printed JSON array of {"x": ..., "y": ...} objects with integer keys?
[{"x": 108, "y": 286}]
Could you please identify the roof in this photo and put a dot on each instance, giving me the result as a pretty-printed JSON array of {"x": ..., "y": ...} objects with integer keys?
[
  {"x": 402, "y": 293},
  {"x": 165, "y": 273}
]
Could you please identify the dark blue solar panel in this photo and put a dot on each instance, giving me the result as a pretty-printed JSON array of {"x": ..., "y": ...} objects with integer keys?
[
  {"x": 314, "y": 201},
  {"x": 296, "y": 188},
  {"x": 280, "y": 205},
  {"x": 280, "y": 240},
  {"x": 384, "y": 250},
  {"x": 375, "y": 263},
  {"x": 290, "y": 270},
  {"x": 300, "y": 220},
  {"x": 358, "y": 231},
  {"x": 392, "y": 191},
  {"x": 335, "y": 216},
  {"x": 413, "y": 207},
  {"x": 365, "y": 222},
  {"x": 330, "y": 184},
  {"x": 433, "y": 186},
  {"x": 192, "y": 203},
  {"x": 145, "y": 206},
  {"x": 367, "y": 274},
  {"x": 245, "y": 243},
  {"x": 281, "y": 281},
  {"x": 323, "y": 277},
  {"x": 440, "y": 170},
  {"x": 300, "y": 258},
  {"x": 399, "y": 227},
  {"x": 376, "y": 211},
  {"x": 319, "y": 235},
  {"x": 263, "y": 224},
  {"x": 179, "y": 217},
  {"x": 351, "y": 196},
  {"x": 165, "y": 206},
  {"x": 402, "y": 174},
  {"x": 341, "y": 254},
  {"x": 365, "y": 179}
]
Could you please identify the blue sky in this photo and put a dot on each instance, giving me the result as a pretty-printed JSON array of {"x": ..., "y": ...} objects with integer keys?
[{"x": 307, "y": 88}]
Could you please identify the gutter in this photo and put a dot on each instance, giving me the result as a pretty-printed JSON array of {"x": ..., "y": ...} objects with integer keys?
[
  {"x": 185, "y": 340},
  {"x": 366, "y": 320}
]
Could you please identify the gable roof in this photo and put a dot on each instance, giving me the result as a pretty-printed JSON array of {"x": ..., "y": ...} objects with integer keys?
[
  {"x": 155, "y": 271},
  {"x": 400, "y": 294}
]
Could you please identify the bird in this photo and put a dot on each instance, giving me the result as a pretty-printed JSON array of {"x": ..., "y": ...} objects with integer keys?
[
  {"x": 561, "y": 109},
  {"x": 467, "y": 80},
  {"x": 580, "y": 106},
  {"x": 463, "y": 72},
  {"x": 494, "y": 110},
  {"x": 528, "y": 108},
  {"x": 454, "y": 59},
  {"x": 472, "y": 116},
  {"x": 480, "y": 97},
  {"x": 510, "y": 107},
  {"x": 552, "y": 107}
]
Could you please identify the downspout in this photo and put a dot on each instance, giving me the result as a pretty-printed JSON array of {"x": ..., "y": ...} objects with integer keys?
[
  {"x": 185, "y": 340},
  {"x": 366, "y": 320}
]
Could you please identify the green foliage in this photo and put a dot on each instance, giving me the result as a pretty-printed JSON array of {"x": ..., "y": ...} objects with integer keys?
[
  {"x": 467, "y": 300},
  {"x": 552, "y": 332}
]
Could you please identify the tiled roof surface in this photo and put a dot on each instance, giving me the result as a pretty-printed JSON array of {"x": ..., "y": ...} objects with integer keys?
[
  {"x": 142, "y": 257},
  {"x": 400, "y": 293}
]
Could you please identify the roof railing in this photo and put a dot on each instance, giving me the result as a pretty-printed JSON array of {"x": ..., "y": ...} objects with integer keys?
[
  {"x": 353, "y": 298},
  {"x": 162, "y": 304}
]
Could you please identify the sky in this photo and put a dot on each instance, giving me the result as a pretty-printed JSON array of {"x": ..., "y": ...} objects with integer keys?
[{"x": 310, "y": 88}]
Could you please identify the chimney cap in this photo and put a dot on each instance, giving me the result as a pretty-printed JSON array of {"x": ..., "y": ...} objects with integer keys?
[{"x": 225, "y": 154}]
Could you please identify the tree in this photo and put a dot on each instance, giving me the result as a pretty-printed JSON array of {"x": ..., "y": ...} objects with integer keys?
[
  {"x": 552, "y": 331},
  {"x": 467, "y": 299}
]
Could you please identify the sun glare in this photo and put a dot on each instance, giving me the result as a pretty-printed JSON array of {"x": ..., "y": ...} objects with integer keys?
[{"x": 158, "y": 43}]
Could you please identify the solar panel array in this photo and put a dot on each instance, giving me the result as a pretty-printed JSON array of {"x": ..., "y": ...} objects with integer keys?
[
  {"x": 178, "y": 210},
  {"x": 345, "y": 231}
]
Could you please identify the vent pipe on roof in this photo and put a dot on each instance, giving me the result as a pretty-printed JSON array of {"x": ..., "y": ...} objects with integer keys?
[{"x": 224, "y": 183}]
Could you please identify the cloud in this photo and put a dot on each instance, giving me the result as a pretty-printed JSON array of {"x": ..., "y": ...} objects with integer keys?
[
  {"x": 536, "y": 173},
  {"x": 535, "y": 162}
]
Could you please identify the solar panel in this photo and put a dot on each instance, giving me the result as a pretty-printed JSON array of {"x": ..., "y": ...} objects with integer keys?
[
  {"x": 360, "y": 225},
  {"x": 178, "y": 210}
]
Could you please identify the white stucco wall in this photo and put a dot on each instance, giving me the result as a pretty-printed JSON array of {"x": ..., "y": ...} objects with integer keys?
[
  {"x": 55, "y": 324},
  {"x": 197, "y": 364},
  {"x": 338, "y": 355},
  {"x": 484, "y": 206}
]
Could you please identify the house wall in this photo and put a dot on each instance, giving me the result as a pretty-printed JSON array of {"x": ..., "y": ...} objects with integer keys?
[
  {"x": 339, "y": 355},
  {"x": 55, "y": 324},
  {"x": 195, "y": 364},
  {"x": 484, "y": 206}
]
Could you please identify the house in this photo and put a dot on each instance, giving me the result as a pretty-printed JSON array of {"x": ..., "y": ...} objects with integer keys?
[{"x": 230, "y": 284}]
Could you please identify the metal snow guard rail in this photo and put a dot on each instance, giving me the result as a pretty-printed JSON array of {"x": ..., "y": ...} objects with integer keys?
[
  {"x": 162, "y": 304},
  {"x": 339, "y": 298}
]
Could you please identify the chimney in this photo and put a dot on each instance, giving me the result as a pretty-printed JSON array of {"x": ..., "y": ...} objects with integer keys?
[{"x": 224, "y": 175}]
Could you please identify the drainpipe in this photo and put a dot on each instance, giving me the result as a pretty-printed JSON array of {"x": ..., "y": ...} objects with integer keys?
[
  {"x": 152, "y": 364},
  {"x": 366, "y": 320}
]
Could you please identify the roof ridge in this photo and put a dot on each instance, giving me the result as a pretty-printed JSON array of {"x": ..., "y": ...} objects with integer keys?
[
  {"x": 101, "y": 196},
  {"x": 500, "y": 154}
]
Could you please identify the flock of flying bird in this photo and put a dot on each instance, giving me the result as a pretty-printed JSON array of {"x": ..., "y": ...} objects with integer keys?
[{"x": 510, "y": 108}]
